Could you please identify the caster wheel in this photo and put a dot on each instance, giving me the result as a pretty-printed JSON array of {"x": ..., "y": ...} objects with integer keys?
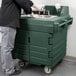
[
  {"x": 47, "y": 70},
  {"x": 21, "y": 63},
  {"x": 61, "y": 61}
]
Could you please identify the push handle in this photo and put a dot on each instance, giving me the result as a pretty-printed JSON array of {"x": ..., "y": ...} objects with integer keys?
[
  {"x": 61, "y": 24},
  {"x": 69, "y": 21}
]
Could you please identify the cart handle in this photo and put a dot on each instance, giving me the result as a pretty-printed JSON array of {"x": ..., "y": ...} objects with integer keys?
[
  {"x": 60, "y": 24},
  {"x": 68, "y": 21}
]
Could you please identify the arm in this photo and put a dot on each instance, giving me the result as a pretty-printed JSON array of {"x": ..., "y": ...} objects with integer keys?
[
  {"x": 26, "y": 5},
  {"x": 37, "y": 8},
  {"x": 34, "y": 6}
]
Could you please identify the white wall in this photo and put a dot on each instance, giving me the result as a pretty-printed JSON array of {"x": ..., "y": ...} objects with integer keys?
[
  {"x": 0, "y": 2},
  {"x": 71, "y": 38},
  {"x": 0, "y": 29},
  {"x": 45, "y": 2},
  {"x": 71, "y": 43}
]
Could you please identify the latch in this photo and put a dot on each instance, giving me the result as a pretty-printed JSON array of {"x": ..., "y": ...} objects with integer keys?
[
  {"x": 50, "y": 41},
  {"x": 49, "y": 54},
  {"x": 28, "y": 39}
]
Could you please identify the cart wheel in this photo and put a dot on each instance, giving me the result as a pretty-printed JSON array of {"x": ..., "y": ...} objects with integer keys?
[
  {"x": 47, "y": 70},
  {"x": 61, "y": 61},
  {"x": 21, "y": 63}
]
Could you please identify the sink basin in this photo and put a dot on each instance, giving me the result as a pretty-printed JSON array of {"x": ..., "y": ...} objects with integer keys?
[
  {"x": 45, "y": 16},
  {"x": 40, "y": 16}
]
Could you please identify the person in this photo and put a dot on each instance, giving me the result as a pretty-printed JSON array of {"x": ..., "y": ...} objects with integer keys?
[{"x": 9, "y": 22}]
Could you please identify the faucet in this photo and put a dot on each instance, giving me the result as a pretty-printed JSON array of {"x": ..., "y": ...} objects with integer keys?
[{"x": 48, "y": 12}]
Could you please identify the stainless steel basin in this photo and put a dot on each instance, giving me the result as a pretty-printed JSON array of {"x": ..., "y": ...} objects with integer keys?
[
  {"x": 45, "y": 16},
  {"x": 41, "y": 16}
]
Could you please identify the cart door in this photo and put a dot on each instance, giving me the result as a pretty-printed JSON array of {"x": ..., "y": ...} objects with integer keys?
[
  {"x": 21, "y": 49},
  {"x": 40, "y": 48}
]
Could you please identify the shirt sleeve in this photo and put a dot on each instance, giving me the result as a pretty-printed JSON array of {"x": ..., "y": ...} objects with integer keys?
[
  {"x": 26, "y": 5},
  {"x": 31, "y": 3}
]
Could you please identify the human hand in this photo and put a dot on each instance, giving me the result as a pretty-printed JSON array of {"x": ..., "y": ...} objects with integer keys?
[
  {"x": 37, "y": 8},
  {"x": 34, "y": 15},
  {"x": 40, "y": 9}
]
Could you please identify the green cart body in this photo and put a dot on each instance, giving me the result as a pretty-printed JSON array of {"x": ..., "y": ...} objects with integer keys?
[{"x": 42, "y": 41}]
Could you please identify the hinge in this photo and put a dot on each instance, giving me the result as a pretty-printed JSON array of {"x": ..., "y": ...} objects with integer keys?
[
  {"x": 28, "y": 39},
  {"x": 50, "y": 41}
]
